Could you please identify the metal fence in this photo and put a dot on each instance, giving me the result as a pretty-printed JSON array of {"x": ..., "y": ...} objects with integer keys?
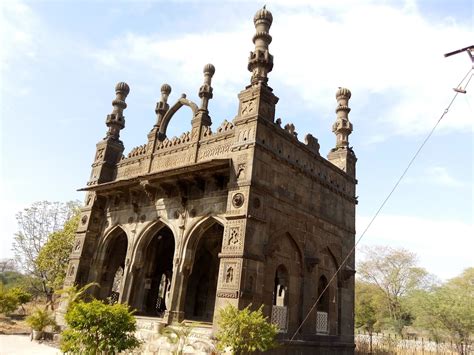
[{"x": 381, "y": 344}]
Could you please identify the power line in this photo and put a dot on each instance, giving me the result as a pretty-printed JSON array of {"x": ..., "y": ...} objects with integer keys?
[{"x": 386, "y": 199}]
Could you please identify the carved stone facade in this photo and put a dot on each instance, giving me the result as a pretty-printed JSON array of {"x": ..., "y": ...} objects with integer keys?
[{"x": 245, "y": 213}]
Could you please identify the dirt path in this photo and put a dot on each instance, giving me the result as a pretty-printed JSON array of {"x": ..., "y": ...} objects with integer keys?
[{"x": 21, "y": 345}]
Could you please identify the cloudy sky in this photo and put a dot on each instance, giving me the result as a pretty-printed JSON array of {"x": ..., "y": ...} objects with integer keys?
[{"x": 60, "y": 61}]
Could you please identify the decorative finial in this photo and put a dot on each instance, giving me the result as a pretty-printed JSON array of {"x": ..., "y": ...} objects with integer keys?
[
  {"x": 162, "y": 105},
  {"x": 205, "y": 91},
  {"x": 260, "y": 60},
  {"x": 116, "y": 121},
  {"x": 342, "y": 127}
]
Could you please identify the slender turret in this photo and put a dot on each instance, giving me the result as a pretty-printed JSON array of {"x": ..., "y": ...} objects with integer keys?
[
  {"x": 342, "y": 155},
  {"x": 260, "y": 60},
  {"x": 116, "y": 120}
]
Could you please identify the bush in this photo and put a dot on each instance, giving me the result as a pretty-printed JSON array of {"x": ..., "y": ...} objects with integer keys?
[
  {"x": 11, "y": 299},
  {"x": 40, "y": 319},
  {"x": 8, "y": 302},
  {"x": 96, "y": 327},
  {"x": 245, "y": 331}
]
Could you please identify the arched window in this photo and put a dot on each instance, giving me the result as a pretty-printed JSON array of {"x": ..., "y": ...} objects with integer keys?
[
  {"x": 280, "y": 290},
  {"x": 280, "y": 299}
]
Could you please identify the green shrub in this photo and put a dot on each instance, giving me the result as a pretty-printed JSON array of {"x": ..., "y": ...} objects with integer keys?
[
  {"x": 40, "y": 319},
  {"x": 8, "y": 302},
  {"x": 245, "y": 331},
  {"x": 96, "y": 327}
]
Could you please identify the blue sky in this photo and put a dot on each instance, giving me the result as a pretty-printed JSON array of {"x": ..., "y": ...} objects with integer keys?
[{"x": 60, "y": 62}]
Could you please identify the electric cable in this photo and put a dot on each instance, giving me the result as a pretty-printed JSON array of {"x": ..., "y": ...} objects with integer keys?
[{"x": 384, "y": 202}]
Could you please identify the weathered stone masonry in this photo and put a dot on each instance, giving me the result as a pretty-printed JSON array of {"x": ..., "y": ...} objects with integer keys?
[{"x": 245, "y": 213}]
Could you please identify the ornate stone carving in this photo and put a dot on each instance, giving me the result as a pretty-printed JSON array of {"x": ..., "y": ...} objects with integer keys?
[
  {"x": 248, "y": 107},
  {"x": 312, "y": 143},
  {"x": 225, "y": 126},
  {"x": 238, "y": 200},
  {"x": 227, "y": 294},
  {"x": 233, "y": 236},
  {"x": 214, "y": 150},
  {"x": 230, "y": 273}
]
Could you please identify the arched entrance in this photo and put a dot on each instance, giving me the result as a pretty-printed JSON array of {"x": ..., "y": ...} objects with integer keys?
[
  {"x": 113, "y": 264},
  {"x": 202, "y": 282},
  {"x": 151, "y": 289}
]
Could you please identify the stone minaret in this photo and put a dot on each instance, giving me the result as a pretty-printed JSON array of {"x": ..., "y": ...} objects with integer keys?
[
  {"x": 202, "y": 117},
  {"x": 109, "y": 150},
  {"x": 342, "y": 155},
  {"x": 257, "y": 101},
  {"x": 260, "y": 60}
]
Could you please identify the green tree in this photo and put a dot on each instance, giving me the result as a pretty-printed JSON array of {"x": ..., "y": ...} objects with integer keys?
[
  {"x": 8, "y": 302},
  {"x": 53, "y": 257},
  {"x": 396, "y": 274},
  {"x": 36, "y": 224},
  {"x": 97, "y": 327},
  {"x": 245, "y": 331},
  {"x": 21, "y": 295},
  {"x": 448, "y": 310},
  {"x": 11, "y": 299}
]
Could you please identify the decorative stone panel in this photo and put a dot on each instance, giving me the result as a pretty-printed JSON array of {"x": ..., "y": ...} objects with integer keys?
[
  {"x": 229, "y": 273},
  {"x": 233, "y": 236},
  {"x": 280, "y": 318},
  {"x": 322, "y": 323}
]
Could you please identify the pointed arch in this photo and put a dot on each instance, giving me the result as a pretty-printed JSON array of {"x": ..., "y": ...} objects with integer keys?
[
  {"x": 147, "y": 233},
  {"x": 275, "y": 242},
  {"x": 193, "y": 235},
  {"x": 170, "y": 113},
  {"x": 109, "y": 236}
]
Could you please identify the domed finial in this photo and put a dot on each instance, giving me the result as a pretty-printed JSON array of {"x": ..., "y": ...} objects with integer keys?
[
  {"x": 166, "y": 89},
  {"x": 263, "y": 15},
  {"x": 205, "y": 91},
  {"x": 209, "y": 69},
  {"x": 116, "y": 121},
  {"x": 261, "y": 61},
  {"x": 343, "y": 93},
  {"x": 342, "y": 127},
  {"x": 122, "y": 88}
]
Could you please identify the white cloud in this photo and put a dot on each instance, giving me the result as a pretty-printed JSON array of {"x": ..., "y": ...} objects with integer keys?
[
  {"x": 17, "y": 23},
  {"x": 370, "y": 47},
  {"x": 437, "y": 175},
  {"x": 444, "y": 247}
]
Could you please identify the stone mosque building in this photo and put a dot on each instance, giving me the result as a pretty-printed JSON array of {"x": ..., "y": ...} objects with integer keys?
[{"x": 240, "y": 213}]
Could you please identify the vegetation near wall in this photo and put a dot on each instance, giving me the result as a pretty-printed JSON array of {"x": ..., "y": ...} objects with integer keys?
[
  {"x": 245, "y": 331},
  {"x": 395, "y": 296},
  {"x": 96, "y": 327}
]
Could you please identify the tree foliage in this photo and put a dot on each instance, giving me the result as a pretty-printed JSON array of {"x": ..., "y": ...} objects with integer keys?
[
  {"x": 368, "y": 304},
  {"x": 96, "y": 327},
  {"x": 11, "y": 299},
  {"x": 395, "y": 273},
  {"x": 36, "y": 224},
  {"x": 448, "y": 310},
  {"x": 245, "y": 331},
  {"x": 53, "y": 257}
]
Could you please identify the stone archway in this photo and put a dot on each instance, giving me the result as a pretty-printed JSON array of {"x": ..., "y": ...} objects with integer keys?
[
  {"x": 201, "y": 285},
  {"x": 153, "y": 273},
  {"x": 112, "y": 259}
]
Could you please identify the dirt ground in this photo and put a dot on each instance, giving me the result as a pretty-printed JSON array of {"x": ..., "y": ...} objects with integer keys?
[{"x": 22, "y": 345}]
